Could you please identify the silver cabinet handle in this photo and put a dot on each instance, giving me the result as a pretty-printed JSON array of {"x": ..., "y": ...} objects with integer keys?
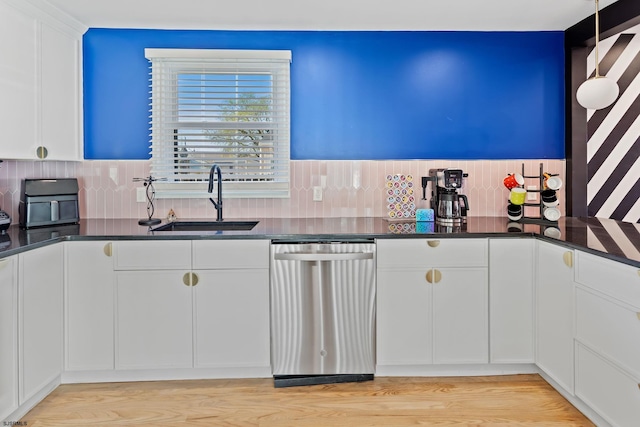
[{"x": 314, "y": 256}]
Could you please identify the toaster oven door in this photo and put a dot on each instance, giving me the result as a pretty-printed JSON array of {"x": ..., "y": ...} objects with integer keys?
[{"x": 41, "y": 211}]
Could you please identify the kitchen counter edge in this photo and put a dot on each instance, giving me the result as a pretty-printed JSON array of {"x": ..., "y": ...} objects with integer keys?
[{"x": 607, "y": 238}]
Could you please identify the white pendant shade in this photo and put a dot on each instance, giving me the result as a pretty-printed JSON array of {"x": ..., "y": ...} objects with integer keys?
[{"x": 597, "y": 93}]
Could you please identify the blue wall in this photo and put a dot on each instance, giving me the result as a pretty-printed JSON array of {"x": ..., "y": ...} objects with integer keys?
[{"x": 359, "y": 95}]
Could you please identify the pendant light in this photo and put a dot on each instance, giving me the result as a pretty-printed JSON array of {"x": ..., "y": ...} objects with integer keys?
[{"x": 598, "y": 92}]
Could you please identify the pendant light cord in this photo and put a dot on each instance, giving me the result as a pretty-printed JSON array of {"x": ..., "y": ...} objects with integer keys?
[{"x": 597, "y": 41}]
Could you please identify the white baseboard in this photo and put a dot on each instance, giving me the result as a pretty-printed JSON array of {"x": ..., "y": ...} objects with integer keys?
[
  {"x": 454, "y": 370},
  {"x": 77, "y": 377},
  {"x": 575, "y": 401},
  {"x": 31, "y": 402}
]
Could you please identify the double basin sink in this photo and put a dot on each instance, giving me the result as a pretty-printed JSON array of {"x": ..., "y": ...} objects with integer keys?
[{"x": 207, "y": 226}]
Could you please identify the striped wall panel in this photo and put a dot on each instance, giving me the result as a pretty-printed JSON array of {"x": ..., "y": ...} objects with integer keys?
[
  {"x": 613, "y": 147},
  {"x": 614, "y": 237}
]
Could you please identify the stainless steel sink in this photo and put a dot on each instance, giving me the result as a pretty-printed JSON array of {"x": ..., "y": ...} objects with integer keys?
[{"x": 206, "y": 226}]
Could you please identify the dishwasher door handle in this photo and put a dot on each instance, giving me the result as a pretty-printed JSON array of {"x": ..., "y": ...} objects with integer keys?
[{"x": 315, "y": 256}]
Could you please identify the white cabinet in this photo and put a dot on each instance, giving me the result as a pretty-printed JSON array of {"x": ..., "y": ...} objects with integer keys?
[
  {"x": 617, "y": 280},
  {"x": 412, "y": 253},
  {"x": 608, "y": 390},
  {"x": 555, "y": 314},
  {"x": 18, "y": 82},
  {"x": 175, "y": 310},
  {"x": 404, "y": 317},
  {"x": 511, "y": 285},
  {"x": 8, "y": 336},
  {"x": 608, "y": 338},
  {"x": 232, "y": 318},
  {"x": 154, "y": 320},
  {"x": 145, "y": 255},
  {"x": 154, "y": 312},
  {"x": 610, "y": 328},
  {"x": 40, "y": 318},
  {"x": 231, "y": 303},
  {"x": 60, "y": 109},
  {"x": 432, "y": 301},
  {"x": 40, "y": 84},
  {"x": 89, "y": 305},
  {"x": 460, "y": 315}
]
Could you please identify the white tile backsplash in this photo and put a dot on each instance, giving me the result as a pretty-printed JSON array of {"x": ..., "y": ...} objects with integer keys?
[{"x": 353, "y": 188}]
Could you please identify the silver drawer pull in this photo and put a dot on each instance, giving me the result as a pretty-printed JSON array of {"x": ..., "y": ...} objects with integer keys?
[{"x": 311, "y": 256}]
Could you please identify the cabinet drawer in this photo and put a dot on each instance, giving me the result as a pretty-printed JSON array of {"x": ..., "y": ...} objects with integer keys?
[
  {"x": 399, "y": 253},
  {"x": 618, "y": 280},
  {"x": 612, "y": 393},
  {"x": 226, "y": 254},
  {"x": 156, "y": 255},
  {"x": 609, "y": 329}
]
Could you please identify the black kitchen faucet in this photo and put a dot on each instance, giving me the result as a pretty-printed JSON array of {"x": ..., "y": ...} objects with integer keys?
[{"x": 215, "y": 169}]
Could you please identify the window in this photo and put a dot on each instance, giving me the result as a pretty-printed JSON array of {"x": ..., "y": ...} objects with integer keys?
[{"x": 224, "y": 107}]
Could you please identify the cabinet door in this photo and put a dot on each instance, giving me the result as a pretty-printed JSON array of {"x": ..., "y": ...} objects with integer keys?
[
  {"x": 611, "y": 392},
  {"x": 40, "y": 318},
  {"x": 232, "y": 318},
  {"x": 153, "y": 320},
  {"x": 60, "y": 93},
  {"x": 18, "y": 83},
  {"x": 609, "y": 328},
  {"x": 152, "y": 255},
  {"x": 404, "y": 318},
  {"x": 89, "y": 306},
  {"x": 511, "y": 284},
  {"x": 612, "y": 278},
  {"x": 554, "y": 313},
  {"x": 412, "y": 253},
  {"x": 8, "y": 336},
  {"x": 460, "y": 315},
  {"x": 209, "y": 254}
]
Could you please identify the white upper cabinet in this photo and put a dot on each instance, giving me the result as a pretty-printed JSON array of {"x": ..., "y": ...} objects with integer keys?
[
  {"x": 60, "y": 115},
  {"x": 18, "y": 82},
  {"x": 40, "y": 82}
]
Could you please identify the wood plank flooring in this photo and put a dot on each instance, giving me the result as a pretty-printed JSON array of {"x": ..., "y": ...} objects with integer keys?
[{"x": 515, "y": 400}]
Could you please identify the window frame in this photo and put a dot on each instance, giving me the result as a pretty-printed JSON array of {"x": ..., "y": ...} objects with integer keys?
[{"x": 217, "y": 61}]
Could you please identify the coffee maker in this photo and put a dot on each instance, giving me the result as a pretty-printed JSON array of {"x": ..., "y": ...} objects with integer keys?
[{"x": 447, "y": 201}]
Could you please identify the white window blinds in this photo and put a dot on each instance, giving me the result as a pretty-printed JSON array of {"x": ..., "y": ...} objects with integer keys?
[{"x": 224, "y": 107}]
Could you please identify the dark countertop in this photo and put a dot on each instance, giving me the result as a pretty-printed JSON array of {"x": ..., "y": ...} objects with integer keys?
[{"x": 609, "y": 238}]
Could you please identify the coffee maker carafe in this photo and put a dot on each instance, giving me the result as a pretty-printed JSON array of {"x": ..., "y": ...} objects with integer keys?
[{"x": 447, "y": 200}]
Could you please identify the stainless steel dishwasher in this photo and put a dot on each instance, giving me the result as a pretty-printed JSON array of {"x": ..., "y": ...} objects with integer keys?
[{"x": 322, "y": 312}]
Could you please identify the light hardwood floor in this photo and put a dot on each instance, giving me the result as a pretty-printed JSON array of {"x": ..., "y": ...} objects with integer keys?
[{"x": 517, "y": 400}]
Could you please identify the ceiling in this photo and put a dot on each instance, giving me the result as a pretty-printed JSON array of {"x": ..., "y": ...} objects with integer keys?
[{"x": 458, "y": 15}]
